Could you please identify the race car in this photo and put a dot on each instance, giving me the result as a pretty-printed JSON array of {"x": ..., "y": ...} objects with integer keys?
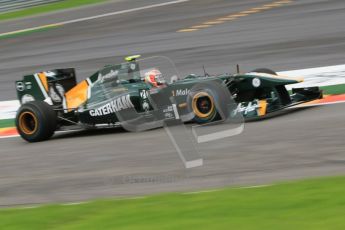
[{"x": 140, "y": 98}]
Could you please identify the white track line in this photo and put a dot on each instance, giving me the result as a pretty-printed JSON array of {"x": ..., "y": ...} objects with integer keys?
[
  {"x": 255, "y": 186},
  {"x": 93, "y": 17},
  {"x": 75, "y": 203},
  {"x": 315, "y": 71},
  {"x": 320, "y": 76},
  {"x": 218, "y": 190},
  {"x": 132, "y": 198},
  {"x": 123, "y": 11},
  {"x": 4, "y": 137},
  {"x": 204, "y": 191},
  {"x": 8, "y": 109},
  {"x": 30, "y": 207}
]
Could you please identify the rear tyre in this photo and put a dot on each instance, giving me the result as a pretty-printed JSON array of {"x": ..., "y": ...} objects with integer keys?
[
  {"x": 264, "y": 70},
  {"x": 36, "y": 121}
]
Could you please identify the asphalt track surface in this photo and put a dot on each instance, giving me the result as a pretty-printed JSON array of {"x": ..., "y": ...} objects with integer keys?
[{"x": 79, "y": 166}]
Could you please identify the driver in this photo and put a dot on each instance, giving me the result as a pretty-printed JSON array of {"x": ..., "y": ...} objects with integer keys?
[{"x": 155, "y": 78}]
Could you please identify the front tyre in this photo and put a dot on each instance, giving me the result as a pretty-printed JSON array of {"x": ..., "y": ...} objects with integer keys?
[
  {"x": 36, "y": 121},
  {"x": 203, "y": 107},
  {"x": 208, "y": 102},
  {"x": 264, "y": 70}
]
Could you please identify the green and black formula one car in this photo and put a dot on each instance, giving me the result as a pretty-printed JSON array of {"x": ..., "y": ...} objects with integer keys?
[{"x": 119, "y": 95}]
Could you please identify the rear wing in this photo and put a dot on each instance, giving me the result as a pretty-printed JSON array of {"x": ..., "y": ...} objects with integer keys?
[
  {"x": 49, "y": 86},
  {"x": 60, "y": 89}
]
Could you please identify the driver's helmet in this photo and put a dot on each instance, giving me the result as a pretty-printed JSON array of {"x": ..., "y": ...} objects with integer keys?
[{"x": 155, "y": 78}]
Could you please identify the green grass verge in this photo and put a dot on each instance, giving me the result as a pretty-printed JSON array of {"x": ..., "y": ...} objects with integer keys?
[
  {"x": 7, "y": 123},
  {"x": 333, "y": 89},
  {"x": 47, "y": 8},
  {"x": 310, "y": 204}
]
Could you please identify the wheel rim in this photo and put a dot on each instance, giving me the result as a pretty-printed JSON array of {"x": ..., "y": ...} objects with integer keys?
[
  {"x": 28, "y": 123},
  {"x": 203, "y": 105}
]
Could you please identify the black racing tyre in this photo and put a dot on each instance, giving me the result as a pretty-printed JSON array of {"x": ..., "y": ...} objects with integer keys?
[
  {"x": 264, "y": 70},
  {"x": 203, "y": 102},
  {"x": 203, "y": 107},
  {"x": 36, "y": 121}
]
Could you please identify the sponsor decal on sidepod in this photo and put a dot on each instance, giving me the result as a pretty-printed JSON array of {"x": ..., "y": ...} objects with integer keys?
[
  {"x": 116, "y": 105},
  {"x": 180, "y": 92}
]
